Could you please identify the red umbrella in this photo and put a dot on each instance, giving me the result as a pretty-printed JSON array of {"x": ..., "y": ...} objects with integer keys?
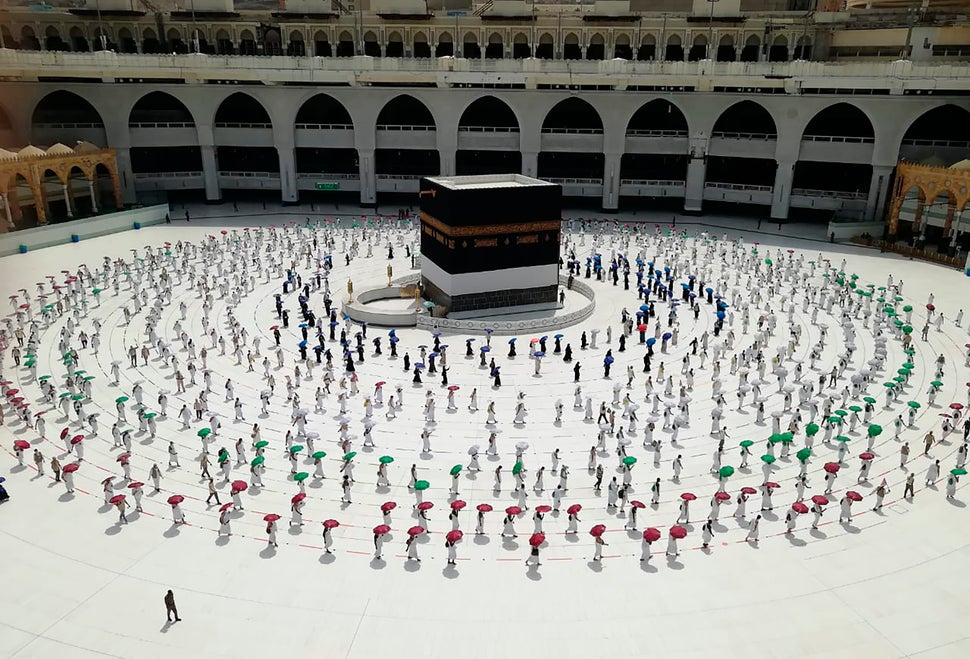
[
  {"x": 931, "y": 307},
  {"x": 77, "y": 439},
  {"x": 12, "y": 392},
  {"x": 853, "y": 495},
  {"x": 21, "y": 444},
  {"x": 272, "y": 517},
  {"x": 380, "y": 383},
  {"x": 484, "y": 508},
  {"x": 273, "y": 328},
  {"x": 956, "y": 406},
  {"x": 64, "y": 432},
  {"x": 425, "y": 505},
  {"x": 458, "y": 504},
  {"x": 651, "y": 534},
  {"x": 688, "y": 496},
  {"x": 298, "y": 497},
  {"x": 388, "y": 506},
  {"x": 135, "y": 484},
  {"x": 799, "y": 507},
  {"x": 597, "y": 530},
  {"x": 415, "y": 530},
  {"x": 107, "y": 480},
  {"x": 330, "y": 523},
  {"x": 537, "y": 539},
  {"x": 123, "y": 457},
  {"x": 722, "y": 496},
  {"x": 175, "y": 499},
  {"x": 118, "y": 498},
  {"x": 543, "y": 509},
  {"x": 831, "y": 467},
  {"x": 866, "y": 456},
  {"x": 454, "y": 387},
  {"x": 573, "y": 509},
  {"x": 641, "y": 327},
  {"x": 748, "y": 490},
  {"x": 513, "y": 510},
  {"x": 772, "y": 486},
  {"x": 71, "y": 468},
  {"x": 16, "y": 401},
  {"x": 226, "y": 506},
  {"x": 678, "y": 532},
  {"x": 820, "y": 499},
  {"x": 381, "y": 529},
  {"x": 239, "y": 486},
  {"x": 454, "y": 536}
]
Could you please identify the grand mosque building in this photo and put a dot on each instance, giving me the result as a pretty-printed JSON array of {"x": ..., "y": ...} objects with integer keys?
[{"x": 777, "y": 108}]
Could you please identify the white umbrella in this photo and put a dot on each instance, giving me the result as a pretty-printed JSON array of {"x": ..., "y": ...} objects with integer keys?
[
  {"x": 624, "y": 441},
  {"x": 521, "y": 446},
  {"x": 473, "y": 449},
  {"x": 313, "y": 434}
]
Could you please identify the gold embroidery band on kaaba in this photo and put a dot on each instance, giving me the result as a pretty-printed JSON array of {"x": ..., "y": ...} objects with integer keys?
[{"x": 490, "y": 229}]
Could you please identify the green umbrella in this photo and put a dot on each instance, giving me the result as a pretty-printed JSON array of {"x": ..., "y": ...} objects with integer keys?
[
  {"x": 457, "y": 470},
  {"x": 768, "y": 458},
  {"x": 88, "y": 378},
  {"x": 803, "y": 454},
  {"x": 959, "y": 471},
  {"x": 385, "y": 459},
  {"x": 746, "y": 443},
  {"x": 151, "y": 415},
  {"x": 855, "y": 408},
  {"x": 302, "y": 476},
  {"x": 726, "y": 471},
  {"x": 900, "y": 379},
  {"x": 30, "y": 362},
  {"x": 913, "y": 404},
  {"x": 909, "y": 351},
  {"x": 843, "y": 438},
  {"x": 787, "y": 437},
  {"x": 223, "y": 457},
  {"x": 936, "y": 383},
  {"x": 889, "y": 385},
  {"x": 121, "y": 399},
  {"x": 841, "y": 412},
  {"x": 260, "y": 444},
  {"x": 319, "y": 455},
  {"x": 517, "y": 467},
  {"x": 77, "y": 397},
  {"x": 65, "y": 394},
  {"x": 869, "y": 399},
  {"x": 44, "y": 377},
  {"x": 874, "y": 430},
  {"x": 629, "y": 460},
  {"x": 908, "y": 308},
  {"x": 811, "y": 429},
  {"x": 774, "y": 439},
  {"x": 909, "y": 365},
  {"x": 897, "y": 323},
  {"x": 67, "y": 355},
  {"x": 903, "y": 371},
  {"x": 79, "y": 372},
  {"x": 421, "y": 485},
  {"x": 296, "y": 448},
  {"x": 204, "y": 432},
  {"x": 258, "y": 461},
  {"x": 835, "y": 419},
  {"x": 907, "y": 329},
  {"x": 767, "y": 261},
  {"x": 350, "y": 456}
]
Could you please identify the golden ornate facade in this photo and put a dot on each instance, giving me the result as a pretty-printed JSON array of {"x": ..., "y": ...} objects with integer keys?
[{"x": 931, "y": 182}]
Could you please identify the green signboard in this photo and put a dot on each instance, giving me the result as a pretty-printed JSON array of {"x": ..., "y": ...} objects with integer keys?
[{"x": 328, "y": 186}]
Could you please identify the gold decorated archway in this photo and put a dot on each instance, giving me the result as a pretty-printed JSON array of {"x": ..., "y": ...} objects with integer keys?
[
  {"x": 33, "y": 164},
  {"x": 930, "y": 182}
]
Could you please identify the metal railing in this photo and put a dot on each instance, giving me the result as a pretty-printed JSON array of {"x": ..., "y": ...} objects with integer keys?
[
  {"x": 745, "y": 136},
  {"x": 234, "y": 174},
  {"x": 243, "y": 124},
  {"x": 324, "y": 126},
  {"x": 405, "y": 128},
  {"x": 742, "y": 187},
  {"x": 842, "y": 139},
  {"x": 573, "y": 181},
  {"x": 146, "y": 175},
  {"x": 54, "y": 125},
  {"x": 488, "y": 129},
  {"x": 401, "y": 177},
  {"x": 835, "y": 194},
  {"x": 326, "y": 175},
  {"x": 161, "y": 124},
  {"x": 944, "y": 143},
  {"x": 655, "y": 183},
  {"x": 639, "y": 132},
  {"x": 572, "y": 131}
]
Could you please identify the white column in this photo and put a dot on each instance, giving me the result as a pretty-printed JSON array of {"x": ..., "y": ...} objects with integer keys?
[
  {"x": 368, "y": 177},
  {"x": 6, "y": 210},
  {"x": 67, "y": 202},
  {"x": 94, "y": 197},
  {"x": 611, "y": 182},
  {"x": 210, "y": 173},
  {"x": 530, "y": 164},
  {"x": 781, "y": 194},
  {"x": 878, "y": 191}
]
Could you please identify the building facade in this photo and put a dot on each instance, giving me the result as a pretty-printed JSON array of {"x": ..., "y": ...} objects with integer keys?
[{"x": 740, "y": 106}]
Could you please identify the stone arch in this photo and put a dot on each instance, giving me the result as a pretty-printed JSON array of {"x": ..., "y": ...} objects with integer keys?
[
  {"x": 622, "y": 48},
  {"x": 420, "y": 47},
  {"x": 520, "y": 46},
  {"x": 746, "y": 117},
  {"x": 943, "y": 124},
  {"x": 446, "y": 45},
  {"x": 395, "y": 45},
  {"x": 752, "y": 48},
  {"x": 241, "y": 108},
  {"x": 848, "y": 119},
  {"x": 779, "y": 49},
  {"x": 323, "y": 109},
  {"x": 499, "y": 113},
  {"x": 65, "y": 107},
  {"x": 596, "y": 49},
  {"x": 496, "y": 46},
  {"x": 405, "y": 110},
  {"x": 674, "y": 51},
  {"x": 159, "y": 107},
  {"x": 570, "y": 46},
  {"x": 660, "y": 115},
  {"x": 372, "y": 48},
  {"x": 79, "y": 42},
  {"x": 571, "y": 114}
]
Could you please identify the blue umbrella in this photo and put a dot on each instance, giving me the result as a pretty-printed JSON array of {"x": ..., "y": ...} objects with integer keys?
[
  {"x": 333, "y": 323},
  {"x": 443, "y": 346},
  {"x": 436, "y": 335},
  {"x": 608, "y": 359},
  {"x": 544, "y": 338},
  {"x": 708, "y": 290},
  {"x": 435, "y": 354},
  {"x": 651, "y": 341},
  {"x": 394, "y": 339},
  {"x": 485, "y": 349},
  {"x": 302, "y": 344},
  {"x": 644, "y": 307},
  {"x": 392, "y": 332},
  {"x": 667, "y": 336},
  {"x": 558, "y": 336},
  {"x": 489, "y": 330},
  {"x": 685, "y": 286},
  {"x": 512, "y": 340},
  {"x": 540, "y": 354},
  {"x": 303, "y": 325},
  {"x": 720, "y": 315},
  {"x": 419, "y": 365}
]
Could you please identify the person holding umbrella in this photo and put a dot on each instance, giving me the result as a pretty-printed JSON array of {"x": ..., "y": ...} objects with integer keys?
[
  {"x": 379, "y": 532},
  {"x": 224, "y": 520},
  {"x": 328, "y": 526},
  {"x": 845, "y": 509},
  {"x": 509, "y": 528},
  {"x": 650, "y": 536},
  {"x": 452, "y": 552},
  {"x": 120, "y": 503},
  {"x": 137, "y": 492},
  {"x": 534, "y": 542},
  {"x": 271, "y": 529},
  {"x": 598, "y": 548},
  {"x": 707, "y": 533},
  {"x": 412, "y": 546},
  {"x": 951, "y": 486},
  {"x": 817, "y": 509}
]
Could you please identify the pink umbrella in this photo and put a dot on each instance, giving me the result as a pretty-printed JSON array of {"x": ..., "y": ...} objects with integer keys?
[
  {"x": 722, "y": 496},
  {"x": 297, "y": 498},
  {"x": 381, "y": 529},
  {"x": 852, "y": 495},
  {"x": 330, "y": 523},
  {"x": 484, "y": 508},
  {"x": 820, "y": 499},
  {"x": 415, "y": 530},
  {"x": 458, "y": 504},
  {"x": 799, "y": 507},
  {"x": 513, "y": 510},
  {"x": 272, "y": 517},
  {"x": 543, "y": 509},
  {"x": 118, "y": 498},
  {"x": 748, "y": 490},
  {"x": 240, "y": 486},
  {"x": 678, "y": 532},
  {"x": 537, "y": 539},
  {"x": 175, "y": 499},
  {"x": 135, "y": 484},
  {"x": 637, "y": 504},
  {"x": 388, "y": 506},
  {"x": 71, "y": 468},
  {"x": 831, "y": 467},
  {"x": 651, "y": 534},
  {"x": 597, "y": 530},
  {"x": 425, "y": 505},
  {"x": 956, "y": 406},
  {"x": 77, "y": 439},
  {"x": 123, "y": 457},
  {"x": 573, "y": 509},
  {"x": 688, "y": 496},
  {"x": 21, "y": 444},
  {"x": 772, "y": 486},
  {"x": 866, "y": 456},
  {"x": 454, "y": 536},
  {"x": 226, "y": 506}
]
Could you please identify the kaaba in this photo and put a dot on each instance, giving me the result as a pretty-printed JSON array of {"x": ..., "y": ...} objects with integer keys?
[{"x": 490, "y": 243}]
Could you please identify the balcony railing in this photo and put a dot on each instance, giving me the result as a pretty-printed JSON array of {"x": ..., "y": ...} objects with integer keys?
[
  {"x": 243, "y": 124},
  {"x": 488, "y": 129},
  {"x": 640, "y": 132},
  {"x": 572, "y": 131},
  {"x": 652, "y": 183},
  {"x": 235, "y": 174},
  {"x": 327, "y": 175},
  {"x": 764, "y": 137},
  {"x": 841, "y": 139},
  {"x": 161, "y": 124},
  {"x": 79, "y": 124},
  {"x": 405, "y": 128},
  {"x": 146, "y": 175},
  {"x": 324, "y": 127},
  {"x": 944, "y": 143},
  {"x": 401, "y": 177},
  {"x": 836, "y": 194},
  {"x": 740, "y": 187},
  {"x": 573, "y": 181}
]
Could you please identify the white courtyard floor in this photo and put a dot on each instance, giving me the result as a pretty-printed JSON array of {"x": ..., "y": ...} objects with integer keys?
[{"x": 888, "y": 584}]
